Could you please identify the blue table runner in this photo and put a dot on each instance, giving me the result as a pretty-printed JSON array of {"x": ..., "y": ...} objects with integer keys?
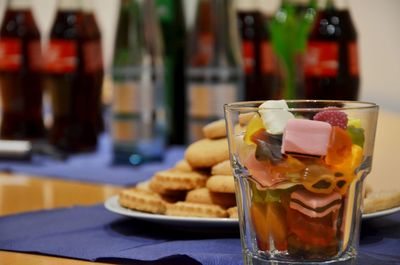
[
  {"x": 93, "y": 167},
  {"x": 95, "y": 234}
]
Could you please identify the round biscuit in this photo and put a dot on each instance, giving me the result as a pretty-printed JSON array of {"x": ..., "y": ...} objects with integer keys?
[
  {"x": 221, "y": 183},
  {"x": 244, "y": 118},
  {"x": 215, "y": 130},
  {"x": 141, "y": 200},
  {"x": 176, "y": 180},
  {"x": 183, "y": 165},
  {"x": 190, "y": 209},
  {"x": 205, "y": 196},
  {"x": 381, "y": 200},
  {"x": 222, "y": 168},
  {"x": 233, "y": 212},
  {"x": 206, "y": 153}
]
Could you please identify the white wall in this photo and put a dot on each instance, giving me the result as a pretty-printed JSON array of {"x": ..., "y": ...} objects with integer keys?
[{"x": 377, "y": 23}]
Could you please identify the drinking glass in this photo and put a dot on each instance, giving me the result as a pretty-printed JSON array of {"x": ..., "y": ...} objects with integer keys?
[{"x": 299, "y": 169}]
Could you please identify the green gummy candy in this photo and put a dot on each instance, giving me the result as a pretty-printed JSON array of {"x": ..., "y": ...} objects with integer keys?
[{"x": 357, "y": 135}]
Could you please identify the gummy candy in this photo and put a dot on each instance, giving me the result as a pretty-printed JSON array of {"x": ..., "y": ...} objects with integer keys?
[
  {"x": 269, "y": 221},
  {"x": 333, "y": 117},
  {"x": 268, "y": 146},
  {"x": 357, "y": 135},
  {"x": 254, "y": 126},
  {"x": 339, "y": 147}
]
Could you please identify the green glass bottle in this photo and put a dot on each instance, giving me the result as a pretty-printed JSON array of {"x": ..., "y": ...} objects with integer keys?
[
  {"x": 289, "y": 31},
  {"x": 138, "y": 115},
  {"x": 172, "y": 21}
]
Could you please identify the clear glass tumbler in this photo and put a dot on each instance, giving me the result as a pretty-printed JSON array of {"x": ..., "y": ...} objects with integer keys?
[{"x": 299, "y": 168}]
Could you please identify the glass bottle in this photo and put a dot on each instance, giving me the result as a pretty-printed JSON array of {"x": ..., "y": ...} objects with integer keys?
[
  {"x": 289, "y": 31},
  {"x": 138, "y": 114},
  {"x": 172, "y": 21},
  {"x": 259, "y": 63},
  {"x": 20, "y": 74},
  {"x": 73, "y": 129},
  {"x": 214, "y": 75},
  {"x": 94, "y": 68},
  {"x": 331, "y": 66}
]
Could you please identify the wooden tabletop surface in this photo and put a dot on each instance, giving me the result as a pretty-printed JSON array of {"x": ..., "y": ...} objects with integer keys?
[{"x": 20, "y": 193}]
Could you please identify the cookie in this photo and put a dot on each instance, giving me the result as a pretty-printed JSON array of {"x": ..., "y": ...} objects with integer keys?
[
  {"x": 141, "y": 200},
  {"x": 190, "y": 209},
  {"x": 206, "y": 153},
  {"x": 244, "y": 118},
  {"x": 170, "y": 180},
  {"x": 205, "y": 196},
  {"x": 233, "y": 212},
  {"x": 381, "y": 200},
  {"x": 143, "y": 185},
  {"x": 221, "y": 183},
  {"x": 215, "y": 130},
  {"x": 183, "y": 165},
  {"x": 222, "y": 168}
]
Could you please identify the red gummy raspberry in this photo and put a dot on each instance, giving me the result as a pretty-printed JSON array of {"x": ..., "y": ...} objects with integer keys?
[{"x": 333, "y": 117}]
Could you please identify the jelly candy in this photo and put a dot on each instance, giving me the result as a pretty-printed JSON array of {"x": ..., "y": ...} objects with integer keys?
[
  {"x": 268, "y": 146},
  {"x": 339, "y": 146},
  {"x": 357, "y": 135},
  {"x": 269, "y": 222},
  {"x": 255, "y": 125}
]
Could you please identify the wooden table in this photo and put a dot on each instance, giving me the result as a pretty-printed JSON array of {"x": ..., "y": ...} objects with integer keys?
[{"x": 20, "y": 193}]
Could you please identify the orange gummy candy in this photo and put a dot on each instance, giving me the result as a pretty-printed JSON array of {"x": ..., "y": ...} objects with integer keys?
[
  {"x": 339, "y": 146},
  {"x": 269, "y": 222}
]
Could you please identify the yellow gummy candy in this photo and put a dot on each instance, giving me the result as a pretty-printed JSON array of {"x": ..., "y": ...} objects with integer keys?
[
  {"x": 356, "y": 123},
  {"x": 352, "y": 162},
  {"x": 254, "y": 125}
]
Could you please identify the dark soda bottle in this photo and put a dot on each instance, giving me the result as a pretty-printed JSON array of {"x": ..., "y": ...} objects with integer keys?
[
  {"x": 93, "y": 58},
  {"x": 331, "y": 66},
  {"x": 20, "y": 74},
  {"x": 73, "y": 128},
  {"x": 249, "y": 27},
  {"x": 259, "y": 64}
]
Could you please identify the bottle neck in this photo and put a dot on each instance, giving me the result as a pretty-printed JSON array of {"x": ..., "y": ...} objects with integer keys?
[
  {"x": 69, "y": 5},
  {"x": 19, "y": 4}
]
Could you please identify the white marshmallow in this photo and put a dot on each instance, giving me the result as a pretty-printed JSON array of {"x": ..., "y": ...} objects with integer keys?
[{"x": 275, "y": 116}]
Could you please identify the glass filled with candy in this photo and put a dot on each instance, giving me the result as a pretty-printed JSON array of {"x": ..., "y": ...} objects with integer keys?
[{"x": 299, "y": 168}]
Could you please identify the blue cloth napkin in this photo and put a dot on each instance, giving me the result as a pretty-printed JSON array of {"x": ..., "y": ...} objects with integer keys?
[
  {"x": 94, "y": 167},
  {"x": 93, "y": 233}
]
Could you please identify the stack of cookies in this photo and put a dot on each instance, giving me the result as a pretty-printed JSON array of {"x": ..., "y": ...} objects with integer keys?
[{"x": 200, "y": 185}]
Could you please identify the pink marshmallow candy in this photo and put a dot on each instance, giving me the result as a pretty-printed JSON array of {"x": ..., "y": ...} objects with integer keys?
[{"x": 307, "y": 137}]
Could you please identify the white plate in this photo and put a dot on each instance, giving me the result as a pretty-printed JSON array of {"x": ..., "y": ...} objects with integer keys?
[
  {"x": 113, "y": 205},
  {"x": 380, "y": 213}
]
